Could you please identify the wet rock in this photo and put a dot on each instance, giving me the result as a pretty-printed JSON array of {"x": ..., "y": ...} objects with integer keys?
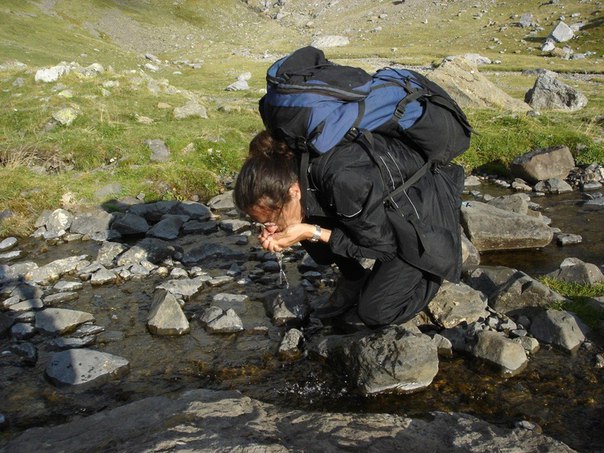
[
  {"x": 457, "y": 303},
  {"x": 549, "y": 93},
  {"x": 87, "y": 329},
  {"x": 53, "y": 271},
  {"x": 166, "y": 316},
  {"x": 59, "y": 298},
  {"x": 564, "y": 239},
  {"x": 553, "y": 185},
  {"x": 168, "y": 228},
  {"x": 67, "y": 286},
  {"x": 60, "y": 320},
  {"x": 576, "y": 271},
  {"x": 27, "y": 351},
  {"x": 192, "y": 209},
  {"x": 22, "y": 331},
  {"x": 7, "y": 244},
  {"x": 148, "y": 249},
  {"x": 491, "y": 228},
  {"x": 59, "y": 220},
  {"x": 234, "y": 225},
  {"x": 393, "y": 359},
  {"x": 92, "y": 225},
  {"x": 545, "y": 163},
  {"x": 510, "y": 291},
  {"x": 197, "y": 227},
  {"x": 25, "y": 291},
  {"x": 178, "y": 272},
  {"x": 153, "y": 212},
  {"x": 85, "y": 367},
  {"x": 9, "y": 256},
  {"x": 62, "y": 344},
  {"x": 224, "y": 321},
  {"x": 198, "y": 254},
  {"x": 86, "y": 272},
  {"x": 17, "y": 271},
  {"x": 559, "y": 328},
  {"x": 531, "y": 345},
  {"x": 130, "y": 224},
  {"x": 222, "y": 202},
  {"x": 596, "y": 204},
  {"x": 210, "y": 313},
  {"x": 285, "y": 306},
  {"x": 102, "y": 276},
  {"x": 7, "y": 303},
  {"x": 517, "y": 203},
  {"x": 208, "y": 420},
  {"x": 108, "y": 252},
  {"x": 27, "y": 305},
  {"x": 289, "y": 349},
  {"x": 501, "y": 351},
  {"x": 234, "y": 301},
  {"x": 443, "y": 345},
  {"x": 185, "y": 287}
]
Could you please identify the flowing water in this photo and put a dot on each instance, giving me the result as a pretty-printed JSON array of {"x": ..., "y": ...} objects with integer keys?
[{"x": 562, "y": 393}]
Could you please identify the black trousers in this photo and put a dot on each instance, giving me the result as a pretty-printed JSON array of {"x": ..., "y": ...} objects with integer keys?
[{"x": 393, "y": 293}]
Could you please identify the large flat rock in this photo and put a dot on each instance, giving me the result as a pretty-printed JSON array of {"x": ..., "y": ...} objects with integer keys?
[
  {"x": 491, "y": 228},
  {"x": 206, "y": 420}
]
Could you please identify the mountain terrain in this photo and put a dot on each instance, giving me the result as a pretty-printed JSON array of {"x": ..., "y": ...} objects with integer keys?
[{"x": 134, "y": 65}]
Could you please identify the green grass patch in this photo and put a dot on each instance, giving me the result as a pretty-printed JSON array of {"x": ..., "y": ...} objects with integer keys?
[{"x": 578, "y": 299}]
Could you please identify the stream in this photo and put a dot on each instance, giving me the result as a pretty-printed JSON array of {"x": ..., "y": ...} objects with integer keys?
[{"x": 562, "y": 393}]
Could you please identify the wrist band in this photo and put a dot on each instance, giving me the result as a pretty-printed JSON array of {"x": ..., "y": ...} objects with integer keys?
[{"x": 316, "y": 235}]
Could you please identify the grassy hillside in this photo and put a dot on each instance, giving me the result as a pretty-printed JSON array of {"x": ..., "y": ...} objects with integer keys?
[{"x": 128, "y": 103}]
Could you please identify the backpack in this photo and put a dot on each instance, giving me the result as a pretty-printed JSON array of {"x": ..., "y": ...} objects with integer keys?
[{"x": 313, "y": 105}]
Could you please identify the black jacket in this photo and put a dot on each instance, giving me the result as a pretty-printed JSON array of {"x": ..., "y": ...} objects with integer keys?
[{"x": 346, "y": 193}]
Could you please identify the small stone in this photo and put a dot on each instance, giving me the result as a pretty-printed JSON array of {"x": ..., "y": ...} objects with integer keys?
[
  {"x": 568, "y": 239},
  {"x": 8, "y": 244}
]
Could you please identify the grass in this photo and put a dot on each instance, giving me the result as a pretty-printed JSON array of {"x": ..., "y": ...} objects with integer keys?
[
  {"x": 106, "y": 142},
  {"x": 578, "y": 295}
]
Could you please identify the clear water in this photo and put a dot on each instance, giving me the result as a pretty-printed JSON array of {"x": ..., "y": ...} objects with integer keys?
[{"x": 563, "y": 394}]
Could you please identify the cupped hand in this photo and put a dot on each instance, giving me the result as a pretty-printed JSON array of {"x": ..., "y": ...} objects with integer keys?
[{"x": 277, "y": 241}]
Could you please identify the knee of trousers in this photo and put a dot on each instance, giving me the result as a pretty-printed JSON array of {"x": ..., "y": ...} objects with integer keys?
[
  {"x": 395, "y": 309},
  {"x": 373, "y": 313}
]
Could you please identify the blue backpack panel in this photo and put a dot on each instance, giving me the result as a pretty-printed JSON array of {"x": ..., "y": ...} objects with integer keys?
[{"x": 313, "y": 104}]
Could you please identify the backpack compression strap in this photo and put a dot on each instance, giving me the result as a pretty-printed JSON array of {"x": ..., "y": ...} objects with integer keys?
[{"x": 389, "y": 199}]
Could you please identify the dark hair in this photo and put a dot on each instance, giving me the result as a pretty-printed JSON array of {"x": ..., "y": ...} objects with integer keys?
[{"x": 266, "y": 175}]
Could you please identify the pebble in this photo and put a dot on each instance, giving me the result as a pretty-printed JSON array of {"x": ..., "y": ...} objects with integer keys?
[{"x": 8, "y": 244}]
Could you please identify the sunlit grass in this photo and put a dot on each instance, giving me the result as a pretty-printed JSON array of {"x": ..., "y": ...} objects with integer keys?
[
  {"x": 578, "y": 300},
  {"x": 106, "y": 142}
]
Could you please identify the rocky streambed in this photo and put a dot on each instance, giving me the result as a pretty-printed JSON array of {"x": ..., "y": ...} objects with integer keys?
[{"x": 109, "y": 320}]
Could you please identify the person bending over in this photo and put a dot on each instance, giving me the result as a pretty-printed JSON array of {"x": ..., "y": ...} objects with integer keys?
[{"x": 340, "y": 218}]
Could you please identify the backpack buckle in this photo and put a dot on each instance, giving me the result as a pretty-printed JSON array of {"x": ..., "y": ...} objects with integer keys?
[
  {"x": 352, "y": 134},
  {"x": 301, "y": 144}
]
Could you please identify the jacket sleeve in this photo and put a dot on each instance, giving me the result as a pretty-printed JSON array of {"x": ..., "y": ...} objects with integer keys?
[{"x": 354, "y": 192}]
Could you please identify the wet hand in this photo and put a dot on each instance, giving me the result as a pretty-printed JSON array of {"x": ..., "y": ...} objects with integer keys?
[{"x": 277, "y": 241}]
